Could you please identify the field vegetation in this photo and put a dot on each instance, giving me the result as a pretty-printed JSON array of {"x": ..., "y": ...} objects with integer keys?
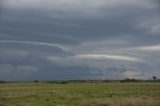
[{"x": 80, "y": 94}]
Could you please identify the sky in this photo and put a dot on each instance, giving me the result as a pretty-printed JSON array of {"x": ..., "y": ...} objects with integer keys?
[{"x": 79, "y": 39}]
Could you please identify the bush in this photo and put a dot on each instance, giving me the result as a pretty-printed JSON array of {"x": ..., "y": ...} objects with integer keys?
[{"x": 2, "y": 81}]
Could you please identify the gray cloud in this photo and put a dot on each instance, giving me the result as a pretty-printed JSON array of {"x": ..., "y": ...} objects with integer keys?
[
  {"x": 79, "y": 39},
  {"x": 20, "y": 72}
]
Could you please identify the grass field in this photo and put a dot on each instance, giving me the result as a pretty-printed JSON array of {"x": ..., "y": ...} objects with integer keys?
[{"x": 80, "y": 94}]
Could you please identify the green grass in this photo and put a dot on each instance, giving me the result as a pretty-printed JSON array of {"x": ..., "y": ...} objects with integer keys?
[{"x": 80, "y": 94}]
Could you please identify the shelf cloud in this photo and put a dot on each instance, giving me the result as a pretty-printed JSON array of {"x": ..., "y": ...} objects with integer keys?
[{"x": 79, "y": 39}]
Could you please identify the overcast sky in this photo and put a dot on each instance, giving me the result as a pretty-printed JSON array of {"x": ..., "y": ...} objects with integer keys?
[{"x": 79, "y": 39}]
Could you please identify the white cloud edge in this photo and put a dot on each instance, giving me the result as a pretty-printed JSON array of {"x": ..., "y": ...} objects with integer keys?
[
  {"x": 99, "y": 57},
  {"x": 152, "y": 48},
  {"x": 107, "y": 56},
  {"x": 35, "y": 43}
]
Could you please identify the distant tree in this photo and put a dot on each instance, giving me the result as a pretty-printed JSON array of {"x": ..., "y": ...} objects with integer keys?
[
  {"x": 36, "y": 81},
  {"x": 129, "y": 80},
  {"x": 63, "y": 82},
  {"x": 154, "y": 78},
  {"x": 2, "y": 81}
]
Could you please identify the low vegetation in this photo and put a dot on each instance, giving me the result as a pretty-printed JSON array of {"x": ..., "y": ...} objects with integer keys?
[{"x": 80, "y": 94}]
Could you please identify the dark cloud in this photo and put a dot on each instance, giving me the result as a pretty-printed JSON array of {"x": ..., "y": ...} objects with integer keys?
[
  {"x": 11, "y": 72},
  {"x": 157, "y": 2},
  {"x": 1, "y": 8},
  {"x": 39, "y": 48},
  {"x": 79, "y": 39}
]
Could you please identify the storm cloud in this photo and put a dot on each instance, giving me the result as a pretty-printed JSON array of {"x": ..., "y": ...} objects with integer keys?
[{"x": 79, "y": 39}]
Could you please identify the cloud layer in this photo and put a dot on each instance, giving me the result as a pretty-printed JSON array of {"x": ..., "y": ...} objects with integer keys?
[{"x": 79, "y": 39}]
